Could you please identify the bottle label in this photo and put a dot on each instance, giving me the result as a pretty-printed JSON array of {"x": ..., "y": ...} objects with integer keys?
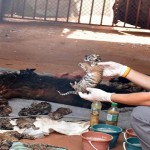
[{"x": 112, "y": 117}]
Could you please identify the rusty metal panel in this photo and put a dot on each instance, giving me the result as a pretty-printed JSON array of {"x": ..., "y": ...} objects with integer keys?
[{"x": 133, "y": 13}]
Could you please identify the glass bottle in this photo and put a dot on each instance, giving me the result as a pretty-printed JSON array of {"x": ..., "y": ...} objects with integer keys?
[
  {"x": 112, "y": 114},
  {"x": 95, "y": 112}
]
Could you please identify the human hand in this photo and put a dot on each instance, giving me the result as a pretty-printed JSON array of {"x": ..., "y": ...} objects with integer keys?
[
  {"x": 96, "y": 95},
  {"x": 112, "y": 69}
]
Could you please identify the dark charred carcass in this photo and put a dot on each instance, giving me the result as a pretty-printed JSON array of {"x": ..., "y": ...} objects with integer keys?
[{"x": 29, "y": 85}]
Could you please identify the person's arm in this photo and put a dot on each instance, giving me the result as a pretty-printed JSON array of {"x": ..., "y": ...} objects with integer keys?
[
  {"x": 141, "y": 98},
  {"x": 113, "y": 69},
  {"x": 139, "y": 79}
]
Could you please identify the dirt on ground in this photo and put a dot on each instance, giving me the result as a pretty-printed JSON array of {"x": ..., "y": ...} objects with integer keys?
[{"x": 57, "y": 48}]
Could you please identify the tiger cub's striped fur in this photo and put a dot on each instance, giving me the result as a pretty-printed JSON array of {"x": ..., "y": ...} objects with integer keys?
[{"x": 91, "y": 79}]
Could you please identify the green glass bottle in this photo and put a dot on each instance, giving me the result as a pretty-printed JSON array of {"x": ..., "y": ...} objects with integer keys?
[{"x": 112, "y": 114}]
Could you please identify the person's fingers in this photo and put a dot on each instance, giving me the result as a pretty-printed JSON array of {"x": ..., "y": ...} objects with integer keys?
[
  {"x": 80, "y": 94},
  {"x": 105, "y": 63},
  {"x": 84, "y": 96},
  {"x": 89, "y": 89}
]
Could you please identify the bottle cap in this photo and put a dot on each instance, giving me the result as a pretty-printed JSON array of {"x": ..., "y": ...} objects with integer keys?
[{"x": 114, "y": 104}]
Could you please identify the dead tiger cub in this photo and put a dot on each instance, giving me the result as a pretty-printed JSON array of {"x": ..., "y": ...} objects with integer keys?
[{"x": 91, "y": 79}]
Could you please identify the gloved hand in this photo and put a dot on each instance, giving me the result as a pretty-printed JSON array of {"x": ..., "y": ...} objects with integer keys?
[
  {"x": 112, "y": 69},
  {"x": 96, "y": 95}
]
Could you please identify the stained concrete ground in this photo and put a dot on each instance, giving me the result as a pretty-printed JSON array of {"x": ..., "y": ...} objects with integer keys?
[{"x": 55, "y": 48}]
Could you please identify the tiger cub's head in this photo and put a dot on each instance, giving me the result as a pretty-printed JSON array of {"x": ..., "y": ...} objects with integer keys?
[{"x": 93, "y": 59}]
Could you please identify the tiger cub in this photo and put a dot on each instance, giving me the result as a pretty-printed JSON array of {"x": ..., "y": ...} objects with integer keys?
[{"x": 91, "y": 79}]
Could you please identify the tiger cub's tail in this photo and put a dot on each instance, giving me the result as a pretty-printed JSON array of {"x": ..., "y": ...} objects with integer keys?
[{"x": 68, "y": 93}]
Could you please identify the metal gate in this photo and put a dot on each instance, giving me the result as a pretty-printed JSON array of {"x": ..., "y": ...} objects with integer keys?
[{"x": 123, "y": 13}]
